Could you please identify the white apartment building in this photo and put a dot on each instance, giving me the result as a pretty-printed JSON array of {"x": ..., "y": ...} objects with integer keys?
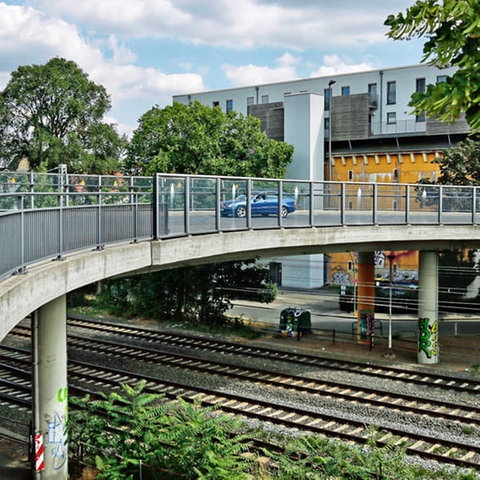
[{"x": 355, "y": 126}]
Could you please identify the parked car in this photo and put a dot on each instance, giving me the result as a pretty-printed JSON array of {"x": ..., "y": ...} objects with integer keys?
[{"x": 261, "y": 203}]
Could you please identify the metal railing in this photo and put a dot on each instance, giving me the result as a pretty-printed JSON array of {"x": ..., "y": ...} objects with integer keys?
[{"x": 46, "y": 216}]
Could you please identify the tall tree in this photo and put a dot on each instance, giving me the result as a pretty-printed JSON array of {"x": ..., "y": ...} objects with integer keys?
[
  {"x": 452, "y": 32},
  {"x": 198, "y": 139},
  {"x": 52, "y": 114}
]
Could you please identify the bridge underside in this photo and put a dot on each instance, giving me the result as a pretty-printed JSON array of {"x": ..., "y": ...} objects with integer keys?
[{"x": 43, "y": 282}]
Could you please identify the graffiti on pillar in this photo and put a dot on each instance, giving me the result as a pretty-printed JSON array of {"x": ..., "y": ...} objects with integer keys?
[
  {"x": 428, "y": 337},
  {"x": 56, "y": 439},
  {"x": 340, "y": 277},
  {"x": 62, "y": 395}
]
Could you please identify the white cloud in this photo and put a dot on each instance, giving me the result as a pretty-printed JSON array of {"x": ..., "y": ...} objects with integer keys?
[
  {"x": 240, "y": 24},
  {"x": 334, "y": 64},
  {"x": 258, "y": 74},
  {"x": 33, "y": 37}
]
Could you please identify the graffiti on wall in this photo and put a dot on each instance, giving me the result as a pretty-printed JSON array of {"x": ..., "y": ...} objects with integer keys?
[
  {"x": 57, "y": 433},
  {"x": 428, "y": 337}
]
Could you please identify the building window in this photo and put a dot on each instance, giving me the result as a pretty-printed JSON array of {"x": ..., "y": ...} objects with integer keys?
[
  {"x": 395, "y": 174},
  {"x": 326, "y": 124},
  {"x": 250, "y": 101},
  {"x": 391, "y": 118},
  {"x": 350, "y": 266},
  {"x": 441, "y": 78},
  {"x": 229, "y": 106},
  {"x": 265, "y": 99},
  {"x": 420, "y": 118},
  {"x": 345, "y": 90},
  {"x": 372, "y": 93},
  {"x": 420, "y": 85},
  {"x": 327, "y": 94},
  {"x": 350, "y": 175},
  {"x": 391, "y": 93},
  {"x": 216, "y": 104}
]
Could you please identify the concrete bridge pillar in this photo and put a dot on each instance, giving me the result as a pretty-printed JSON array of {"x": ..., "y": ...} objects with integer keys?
[
  {"x": 365, "y": 292},
  {"x": 428, "y": 345},
  {"x": 50, "y": 394}
]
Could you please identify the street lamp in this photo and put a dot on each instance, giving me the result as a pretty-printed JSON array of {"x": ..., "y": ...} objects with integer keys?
[
  {"x": 390, "y": 257},
  {"x": 330, "y": 83}
]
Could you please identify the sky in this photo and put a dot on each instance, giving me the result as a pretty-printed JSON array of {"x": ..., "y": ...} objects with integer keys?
[{"x": 145, "y": 51}]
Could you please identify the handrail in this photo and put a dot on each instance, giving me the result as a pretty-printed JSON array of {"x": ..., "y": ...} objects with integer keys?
[{"x": 48, "y": 215}]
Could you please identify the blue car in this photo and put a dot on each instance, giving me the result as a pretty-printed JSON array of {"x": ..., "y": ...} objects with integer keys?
[{"x": 262, "y": 203}]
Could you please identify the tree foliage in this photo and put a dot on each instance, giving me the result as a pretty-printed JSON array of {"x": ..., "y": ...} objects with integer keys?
[
  {"x": 452, "y": 30},
  {"x": 134, "y": 434},
  {"x": 196, "y": 139},
  {"x": 196, "y": 294},
  {"x": 52, "y": 114},
  {"x": 130, "y": 431},
  {"x": 460, "y": 165}
]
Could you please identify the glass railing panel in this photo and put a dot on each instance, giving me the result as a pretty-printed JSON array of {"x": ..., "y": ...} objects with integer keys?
[
  {"x": 391, "y": 203},
  {"x": 203, "y": 205},
  {"x": 233, "y": 207},
  {"x": 359, "y": 203}
]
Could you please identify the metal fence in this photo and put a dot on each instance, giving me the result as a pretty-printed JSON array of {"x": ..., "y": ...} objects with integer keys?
[{"x": 49, "y": 215}]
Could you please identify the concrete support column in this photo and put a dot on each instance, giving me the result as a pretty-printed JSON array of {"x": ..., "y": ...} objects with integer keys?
[
  {"x": 365, "y": 291},
  {"x": 428, "y": 346},
  {"x": 50, "y": 394}
]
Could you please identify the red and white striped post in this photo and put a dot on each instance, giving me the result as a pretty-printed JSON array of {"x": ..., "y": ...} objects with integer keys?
[{"x": 39, "y": 453}]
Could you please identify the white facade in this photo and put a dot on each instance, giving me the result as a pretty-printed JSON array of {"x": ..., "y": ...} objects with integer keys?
[{"x": 405, "y": 79}]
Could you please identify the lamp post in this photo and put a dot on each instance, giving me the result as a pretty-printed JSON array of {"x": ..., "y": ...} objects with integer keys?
[
  {"x": 390, "y": 260},
  {"x": 330, "y": 83}
]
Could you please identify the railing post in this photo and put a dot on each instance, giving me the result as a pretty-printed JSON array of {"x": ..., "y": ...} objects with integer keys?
[
  {"x": 311, "y": 217},
  {"x": 343, "y": 204},
  {"x": 155, "y": 202},
  {"x": 187, "y": 206},
  {"x": 280, "y": 203},
  {"x": 218, "y": 193},
  {"x": 249, "y": 203},
  {"x": 374, "y": 203},
  {"x": 22, "y": 268},
  {"x": 60, "y": 227},
  {"x": 440, "y": 204},
  {"x": 134, "y": 200},
  {"x": 100, "y": 246},
  {"x": 474, "y": 205},
  {"x": 407, "y": 205}
]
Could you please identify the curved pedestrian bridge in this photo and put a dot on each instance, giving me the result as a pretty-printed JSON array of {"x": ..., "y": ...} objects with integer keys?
[{"x": 60, "y": 232}]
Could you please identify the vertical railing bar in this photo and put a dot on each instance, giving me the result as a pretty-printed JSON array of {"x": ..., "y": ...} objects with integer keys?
[
  {"x": 374, "y": 203},
  {"x": 155, "y": 210},
  {"x": 407, "y": 204},
  {"x": 474, "y": 205},
  {"x": 440, "y": 204},
  {"x": 134, "y": 199},
  {"x": 249, "y": 203},
  {"x": 311, "y": 217},
  {"x": 187, "y": 206},
  {"x": 22, "y": 234},
  {"x": 280, "y": 203},
  {"x": 60, "y": 228},
  {"x": 100, "y": 246},
  {"x": 218, "y": 193},
  {"x": 31, "y": 180},
  {"x": 343, "y": 204}
]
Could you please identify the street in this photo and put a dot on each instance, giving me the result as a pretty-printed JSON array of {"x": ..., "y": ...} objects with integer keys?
[{"x": 326, "y": 315}]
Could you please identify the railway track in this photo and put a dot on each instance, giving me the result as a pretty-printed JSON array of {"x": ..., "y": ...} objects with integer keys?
[
  {"x": 443, "y": 450},
  {"x": 193, "y": 342},
  {"x": 467, "y": 414}
]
